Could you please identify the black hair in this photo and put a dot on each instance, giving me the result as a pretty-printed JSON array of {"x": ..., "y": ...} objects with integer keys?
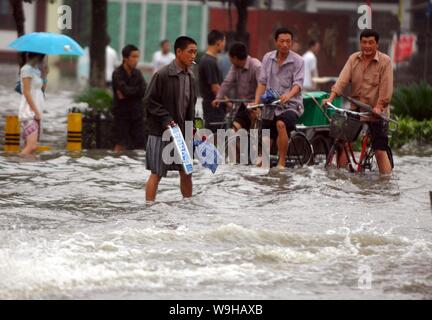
[
  {"x": 214, "y": 36},
  {"x": 312, "y": 43},
  {"x": 163, "y": 42},
  {"x": 367, "y": 33},
  {"x": 127, "y": 51},
  {"x": 238, "y": 50},
  {"x": 282, "y": 31},
  {"x": 32, "y": 55},
  {"x": 183, "y": 42}
]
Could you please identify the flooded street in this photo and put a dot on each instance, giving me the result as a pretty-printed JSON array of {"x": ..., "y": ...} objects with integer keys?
[{"x": 77, "y": 226}]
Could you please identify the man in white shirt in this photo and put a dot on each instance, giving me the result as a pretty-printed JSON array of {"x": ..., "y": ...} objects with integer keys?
[
  {"x": 111, "y": 63},
  {"x": 163, "y": 57},
  {"x": 311, "y": 65}
]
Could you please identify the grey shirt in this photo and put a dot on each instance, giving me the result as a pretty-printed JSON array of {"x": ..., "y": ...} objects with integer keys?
[
  {"x": 283, "y": 78},
  {"x": 243, "y": 80},
  {"x": 184, "y": 95}
]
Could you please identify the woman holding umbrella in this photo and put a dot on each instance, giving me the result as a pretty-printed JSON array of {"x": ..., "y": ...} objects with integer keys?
[
  {"x": 33, "y": 84},
  {"x": 33, "y": 80}
]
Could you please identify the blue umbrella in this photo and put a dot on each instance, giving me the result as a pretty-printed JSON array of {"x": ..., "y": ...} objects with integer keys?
[{"x": 47, "y": 43}]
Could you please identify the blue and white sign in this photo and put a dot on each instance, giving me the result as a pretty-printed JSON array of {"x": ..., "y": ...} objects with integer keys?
[{"x": 182, "y": 149}]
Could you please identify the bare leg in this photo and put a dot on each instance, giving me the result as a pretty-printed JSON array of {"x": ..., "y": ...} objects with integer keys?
[
  {"x": 30, "y": 145},
  {"x": 342, "y": 160},
  {"x": 151, "y": 187},
  {"x": 236, "y": 127},
  {"x": 186, "y": 184},
  {"x": 282, "y": 143},
  {"x": 264, "y": 160},
  {"x": 383, "y": 162}
]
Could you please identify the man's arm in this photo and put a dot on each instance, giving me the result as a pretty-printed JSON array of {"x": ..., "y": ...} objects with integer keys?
[
  {"x": 261, "y": 88},
  {"x": 153, "y": 102},
  {"x": 262, "y": 81},
  {"x": 385, "y": 88},
  {"x": 227, "y": 84},
  {"x": 119, "y": 84},
  {"x": 297, "y": 84}
]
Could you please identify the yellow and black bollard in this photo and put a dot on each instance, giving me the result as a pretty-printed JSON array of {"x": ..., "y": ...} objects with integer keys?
[
  {"x": 74, "y": 138},
  {"x": 12, "y": 135}
]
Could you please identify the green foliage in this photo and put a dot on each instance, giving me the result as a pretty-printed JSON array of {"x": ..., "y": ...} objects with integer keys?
[
  {"x": 411, "y": 130},
  {"x": 414, "y": 101},
  {"x": 98, "y": 100}
]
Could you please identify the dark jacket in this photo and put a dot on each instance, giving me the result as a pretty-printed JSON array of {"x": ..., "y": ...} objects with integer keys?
[
  {"x": 162, "y": 98},
  {"x": 133, "y": 88}
]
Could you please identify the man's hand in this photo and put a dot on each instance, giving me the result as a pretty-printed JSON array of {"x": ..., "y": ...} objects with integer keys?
[
  {"x": 172, "y": 124},
  {"x": 120, "y": 95},
  {"x": 325, "y": 101},
  {"x": 215, "y": 103},
  {"x": 377, "y": 111},
  {"x": 284, "y": 98}
]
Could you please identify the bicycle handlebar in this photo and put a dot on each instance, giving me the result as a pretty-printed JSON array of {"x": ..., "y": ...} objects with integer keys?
[
  {"x": 234, "y": 100},
  {"x": 364, "y": 106},
  {"x": 261, "y": 105}
]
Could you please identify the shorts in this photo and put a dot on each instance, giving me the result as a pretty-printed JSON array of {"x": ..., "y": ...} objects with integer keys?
[
  {"x": 29, "y": 127},
  {"x": 243, "y": 118},
  {"x": 379, "y": 135},
  {"x": 129, "y": 132},
  {"x": 154, "y": 160},
  {"x": 289, "y": 118}
]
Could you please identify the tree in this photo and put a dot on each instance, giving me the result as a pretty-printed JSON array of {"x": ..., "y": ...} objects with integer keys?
[
  {"x": 19, "y": 17},
  {"x": 242, "y": 11},
  {"x": 242, "y": 6},
  {"x": 98, "y": 43}
]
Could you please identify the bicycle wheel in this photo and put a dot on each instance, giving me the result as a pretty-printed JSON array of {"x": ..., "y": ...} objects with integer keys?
[
  {"x": 321, "y": 149},
  {"x": 300, "y": 151}
]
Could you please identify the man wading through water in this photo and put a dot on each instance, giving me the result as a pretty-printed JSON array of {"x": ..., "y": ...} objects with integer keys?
[
  {"x": 370, "y": 74},
  {"x": 170, "y": 101}
]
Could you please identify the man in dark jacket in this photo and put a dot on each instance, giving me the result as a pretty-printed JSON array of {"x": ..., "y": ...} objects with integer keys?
[
  {"x": 129, "y": 88},
  {"x": 170, "y": 101}
]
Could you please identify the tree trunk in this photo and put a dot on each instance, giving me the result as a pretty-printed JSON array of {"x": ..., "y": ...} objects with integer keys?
[
  {"x": 98, "y": 42},
  {"x": 242, "y": 10},
  {"x": 19, "y": 17}
]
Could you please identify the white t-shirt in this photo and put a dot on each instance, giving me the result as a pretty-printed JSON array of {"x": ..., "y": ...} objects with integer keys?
[
  {"x": 310, "y": 62},
  {"x": 25, "y": 112},
  {"x": 111, "y": 62},
  {"x": 161, "y": 60}
]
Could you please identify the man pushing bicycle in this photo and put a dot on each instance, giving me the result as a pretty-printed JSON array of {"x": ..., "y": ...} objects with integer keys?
[{"x": 370, "y": 74}]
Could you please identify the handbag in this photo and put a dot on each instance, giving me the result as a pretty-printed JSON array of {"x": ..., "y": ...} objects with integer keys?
[{"x": 18, "y": 87}]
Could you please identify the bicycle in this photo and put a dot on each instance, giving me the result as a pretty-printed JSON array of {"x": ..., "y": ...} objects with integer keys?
[
  {"x": 345, "y": 127},
  {"x": 300, "y": 150}
]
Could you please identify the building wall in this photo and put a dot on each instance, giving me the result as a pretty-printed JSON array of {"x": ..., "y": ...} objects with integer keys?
[
  {"x": 145, "y": 23},
  {"x": 330, "y": 30},
  {"x": 9, "y": 34}
]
